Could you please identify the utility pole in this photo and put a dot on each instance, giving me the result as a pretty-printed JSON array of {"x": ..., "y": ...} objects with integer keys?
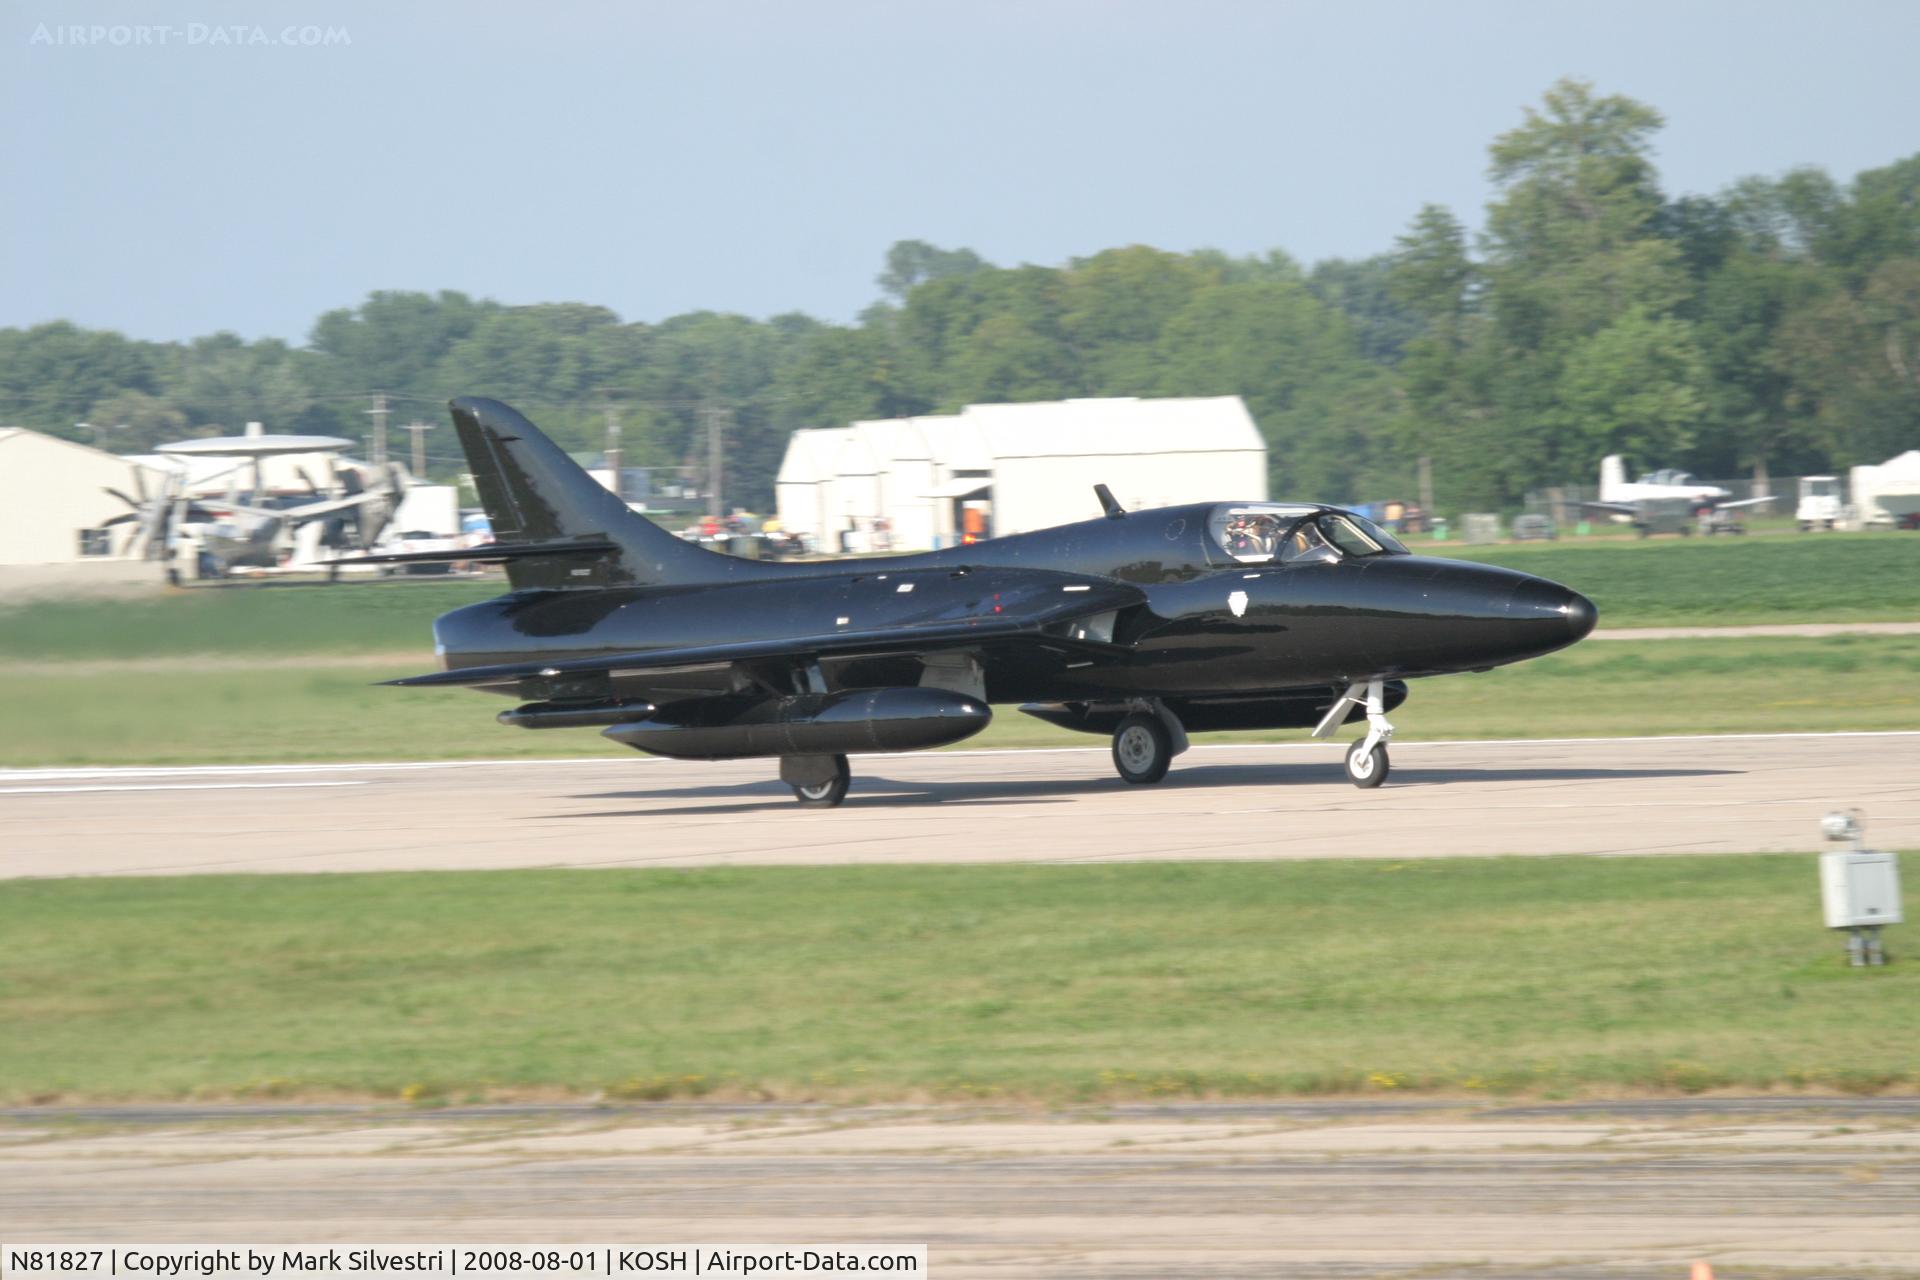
[
  {"x": 377, "y": 449},
  {"x": 419, "y": 431},
  {"x": 1426, "y": 487},
  {"x": 716, "y": 494},
  {"x": 613, "y": 452}
]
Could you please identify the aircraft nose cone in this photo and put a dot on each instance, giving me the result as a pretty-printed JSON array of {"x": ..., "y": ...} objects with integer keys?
[
  {"x": 1545, "y": 615},
  {"x": 1581, "y": 616}
]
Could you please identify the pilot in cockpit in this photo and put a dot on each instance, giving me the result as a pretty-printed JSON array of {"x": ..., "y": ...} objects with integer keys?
[{"x": 1250, "y": 536}]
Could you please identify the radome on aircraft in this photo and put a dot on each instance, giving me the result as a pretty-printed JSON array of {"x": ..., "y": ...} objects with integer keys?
[{"x": 1140, "y": 625}]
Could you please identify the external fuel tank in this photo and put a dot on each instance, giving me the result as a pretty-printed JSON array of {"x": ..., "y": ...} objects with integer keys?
[{"x": 812, "y": 724}]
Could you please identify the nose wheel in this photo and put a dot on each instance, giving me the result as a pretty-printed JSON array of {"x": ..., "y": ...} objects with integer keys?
[{"x": 1367, "y": 764}]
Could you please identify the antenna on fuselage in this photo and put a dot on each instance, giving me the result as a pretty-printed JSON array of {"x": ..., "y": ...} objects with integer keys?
[{"x": 1108, "y": 503}]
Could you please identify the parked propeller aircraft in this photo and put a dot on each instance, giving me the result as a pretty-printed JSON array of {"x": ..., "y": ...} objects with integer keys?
[
  {"x": 1143, "y": 626},
  {"x": 252, "y": 526},
  {"x": 1664, "y": 501}
]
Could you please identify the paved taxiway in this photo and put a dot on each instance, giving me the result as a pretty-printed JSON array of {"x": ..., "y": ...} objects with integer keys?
[
  {"x": 1738, "y": 793},
  {"x": 1312, "y": 1191}
]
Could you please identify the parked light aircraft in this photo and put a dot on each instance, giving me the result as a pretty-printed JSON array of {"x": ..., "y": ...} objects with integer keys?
[{"x": 1664, "y": 501}]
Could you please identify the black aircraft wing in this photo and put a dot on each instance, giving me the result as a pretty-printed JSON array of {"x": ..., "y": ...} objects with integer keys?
[{"x": 1051, "y": 620}]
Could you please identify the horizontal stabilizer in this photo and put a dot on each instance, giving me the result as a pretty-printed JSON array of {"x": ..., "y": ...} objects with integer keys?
[{"x": 490, "y": 553}]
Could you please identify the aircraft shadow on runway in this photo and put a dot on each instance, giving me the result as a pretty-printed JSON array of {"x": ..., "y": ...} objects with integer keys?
[{"x": 874, "y": 791}]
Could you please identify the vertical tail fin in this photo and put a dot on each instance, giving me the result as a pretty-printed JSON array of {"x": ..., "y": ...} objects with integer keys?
[
  {"x": 534, "y": 493},
  {"x": 1613, "y": 475}
]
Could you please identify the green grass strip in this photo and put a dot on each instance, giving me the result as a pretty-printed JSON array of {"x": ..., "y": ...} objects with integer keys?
[{"x": 1542, "y": 976}]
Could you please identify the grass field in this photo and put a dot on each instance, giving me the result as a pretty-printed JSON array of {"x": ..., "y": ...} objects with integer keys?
[
  {"x": 1557, "y": 976},
  {"x": 391, "y": 616},
  {"x": 214, "y": 711},
  {"x": 1725, "y": 581},
  {"x": 1837, "y": 577}
]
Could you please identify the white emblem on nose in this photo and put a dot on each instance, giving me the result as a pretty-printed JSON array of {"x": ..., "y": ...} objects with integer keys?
[{"x": 1238, "y": 603}]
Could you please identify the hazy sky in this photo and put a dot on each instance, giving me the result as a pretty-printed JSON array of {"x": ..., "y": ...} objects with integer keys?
[{"x": 760, "y": 157}]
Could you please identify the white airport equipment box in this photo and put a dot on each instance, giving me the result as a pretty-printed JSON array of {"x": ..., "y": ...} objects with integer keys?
[{"x": 1859, "y": 888}]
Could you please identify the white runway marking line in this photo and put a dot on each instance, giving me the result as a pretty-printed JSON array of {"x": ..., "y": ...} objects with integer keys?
[
  {"x": 57, "y": 773},
  {"x": 171, "y": 786},
  {"x": 105, "y": 772}
]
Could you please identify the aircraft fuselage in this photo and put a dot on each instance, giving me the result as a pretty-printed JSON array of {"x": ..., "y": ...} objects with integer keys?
[{"x": 1209, "y": 625}]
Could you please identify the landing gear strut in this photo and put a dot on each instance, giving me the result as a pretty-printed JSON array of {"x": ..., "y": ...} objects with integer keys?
[
  {"x": 1367, "y": 763},
  {"x": 818, "y": 782}
]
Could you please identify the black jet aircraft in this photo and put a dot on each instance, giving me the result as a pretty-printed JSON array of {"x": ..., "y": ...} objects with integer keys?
[{"x": 1143, "y": 626}]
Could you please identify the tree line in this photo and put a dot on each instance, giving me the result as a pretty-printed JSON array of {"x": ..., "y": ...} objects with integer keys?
[{"x": 1774, "y": 326}]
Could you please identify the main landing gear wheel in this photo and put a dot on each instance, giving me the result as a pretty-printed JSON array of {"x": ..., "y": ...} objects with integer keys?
[
  {"x": 1367, "y": 766},
  {"x": 828, "y": 794},
  {"x": 1142, "y": 749}
]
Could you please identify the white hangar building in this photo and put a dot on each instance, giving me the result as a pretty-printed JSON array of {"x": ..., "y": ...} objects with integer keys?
[
  {"x": 54, "y": 513},
  {"x": 908, "y": 484}
]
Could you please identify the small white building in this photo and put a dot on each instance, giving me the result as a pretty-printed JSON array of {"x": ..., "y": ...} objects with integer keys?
[
  {"x": 910, "y": 483},
  {"x": 55, "y": 506},
  {"x": 55, "y": 501}
]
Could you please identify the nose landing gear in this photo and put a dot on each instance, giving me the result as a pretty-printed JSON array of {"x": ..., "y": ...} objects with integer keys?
[
  {"x": 1367, "y": 762},
  {"x": 1367, "y": 766}
]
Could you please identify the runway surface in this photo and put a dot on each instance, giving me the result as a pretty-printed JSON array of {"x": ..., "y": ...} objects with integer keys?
[
  {"x": 1736, "y": 793},
  {"x": 1327, "y": 1191}
]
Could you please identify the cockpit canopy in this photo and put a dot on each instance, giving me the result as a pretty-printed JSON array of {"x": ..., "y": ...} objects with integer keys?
[{"x": 1279, "y": 533}]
